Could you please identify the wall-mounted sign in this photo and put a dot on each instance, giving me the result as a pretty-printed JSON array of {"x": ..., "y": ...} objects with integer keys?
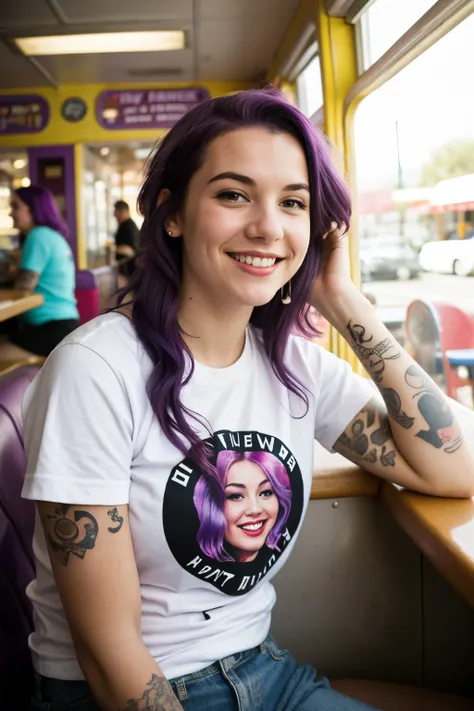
[
  {"x": 23, "y": 113},
  {"x": 146, "y": 108},
  {"x": 74, "y": 109}
]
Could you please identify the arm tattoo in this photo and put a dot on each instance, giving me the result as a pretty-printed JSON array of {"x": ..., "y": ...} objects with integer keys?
[
  {"x": 443, "y": 431},
  {"x": 114, "y": 515},
  {"x": 394, "y": 408},
  {"x": 157, "y": 697},
  {"x": 375, "y": 354},
  {"x": 360, "y": 438},
  {"x": 26, "y": 280},
  {"x": 71, "y": 532}
]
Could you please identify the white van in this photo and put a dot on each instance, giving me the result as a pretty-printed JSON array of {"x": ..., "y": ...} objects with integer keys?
[{"x": 454, "y": 256}]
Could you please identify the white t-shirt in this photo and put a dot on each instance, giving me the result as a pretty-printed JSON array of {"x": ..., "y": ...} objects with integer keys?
[{"x": 92, "y": 439}]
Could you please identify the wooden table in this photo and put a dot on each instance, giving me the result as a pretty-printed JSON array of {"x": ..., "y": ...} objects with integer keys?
[{"x": 14, "y": 302}]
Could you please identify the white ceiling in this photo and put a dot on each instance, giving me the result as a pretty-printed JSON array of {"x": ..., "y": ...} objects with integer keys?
[{"x": 228, "y": 40}]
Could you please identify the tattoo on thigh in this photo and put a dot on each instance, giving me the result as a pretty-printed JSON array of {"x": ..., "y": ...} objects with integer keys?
[
  {"x": 157, "y": 697},
  {"x": 114, "y": 515},
  {"x": 71, "y": 531}
]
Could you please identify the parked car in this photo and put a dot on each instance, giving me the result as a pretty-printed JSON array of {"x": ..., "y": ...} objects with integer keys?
[
  {"x": 388, "y": 257},
  {"x": 454, "y": 256}
]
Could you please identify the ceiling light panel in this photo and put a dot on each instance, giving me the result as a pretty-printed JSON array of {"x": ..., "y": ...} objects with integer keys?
[{"x": 102, "y": 43}]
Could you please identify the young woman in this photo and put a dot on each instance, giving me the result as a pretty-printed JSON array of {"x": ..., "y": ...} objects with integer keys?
[
  {"x": 244, "y": 507},
  {"x": 46, "y": 268},
  {"x": 244, "y": 216}
]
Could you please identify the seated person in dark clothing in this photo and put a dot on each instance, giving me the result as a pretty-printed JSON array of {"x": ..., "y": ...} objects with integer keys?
[{"x": 126, "y": 237}]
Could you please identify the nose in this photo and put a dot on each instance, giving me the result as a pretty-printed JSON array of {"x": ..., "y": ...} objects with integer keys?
[
  {"x": 265, "y": 224},
  {"x": 254, "y": 507}
]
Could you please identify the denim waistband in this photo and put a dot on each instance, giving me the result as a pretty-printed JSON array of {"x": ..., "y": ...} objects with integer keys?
[{"x": 226, "y": 664}]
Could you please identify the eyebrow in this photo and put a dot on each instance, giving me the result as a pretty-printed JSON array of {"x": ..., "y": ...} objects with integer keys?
[
  {"x": 250, "y": 181},
  {"x": 242, "y": 486}
]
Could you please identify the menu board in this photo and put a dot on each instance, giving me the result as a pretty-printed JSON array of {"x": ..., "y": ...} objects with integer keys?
[
  {"x": 146, "y": 108},
  {"x": 23, "y": 113}
]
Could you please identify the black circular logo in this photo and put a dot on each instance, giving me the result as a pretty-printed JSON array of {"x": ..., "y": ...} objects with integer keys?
[
  {"x": 74, "y": 109},
  {"x": 229, "y": 525}
]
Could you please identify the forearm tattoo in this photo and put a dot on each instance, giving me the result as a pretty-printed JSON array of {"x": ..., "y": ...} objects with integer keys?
[
  {"x": 374, "y": 354},
  {"x": 441, "y": 429},
  {"x": 157, "y": 697}
]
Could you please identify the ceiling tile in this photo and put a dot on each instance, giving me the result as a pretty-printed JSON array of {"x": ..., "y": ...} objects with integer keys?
[
  {"x": 17, "y": 71},
  {"x": 115, "y": 68},
  {"x": 20, "y": 13},
  {"x": 84, "y": 11},
  {"x": 280, "y": 11}
]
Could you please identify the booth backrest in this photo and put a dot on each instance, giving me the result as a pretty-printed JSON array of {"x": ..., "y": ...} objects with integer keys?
[
  {"x": 87, "y": 295},
  {"x": 16, "y": 556}
]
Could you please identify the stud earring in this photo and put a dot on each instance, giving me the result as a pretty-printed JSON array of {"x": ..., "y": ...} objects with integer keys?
[
  {"x": 170, "y": 233},
  {"x": 286, "y": 299}
]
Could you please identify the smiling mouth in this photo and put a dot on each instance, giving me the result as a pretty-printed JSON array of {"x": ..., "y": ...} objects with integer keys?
[
  {"x": 255, "y": 261},
  {"x": 253, "y": 527}
]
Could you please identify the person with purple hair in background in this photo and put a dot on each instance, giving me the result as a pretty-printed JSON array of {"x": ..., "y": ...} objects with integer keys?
[
  {"x": 244, "y": 224},
  {"x": 246, "y": 510},
  {"x": 46, "y": 268}
]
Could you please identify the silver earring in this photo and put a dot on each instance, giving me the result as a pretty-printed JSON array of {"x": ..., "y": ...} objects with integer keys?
[
  {"x": 170, "y": 233},
  {"x": 286, "y": 299}
]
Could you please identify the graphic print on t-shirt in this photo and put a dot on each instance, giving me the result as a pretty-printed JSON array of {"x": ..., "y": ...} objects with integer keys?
[{"x": 230, "y": 527}]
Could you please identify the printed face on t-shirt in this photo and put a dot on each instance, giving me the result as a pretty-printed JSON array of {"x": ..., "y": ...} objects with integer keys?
[
  {"x": 230, "y": 524},
  {"x": 250, "y": 510}
]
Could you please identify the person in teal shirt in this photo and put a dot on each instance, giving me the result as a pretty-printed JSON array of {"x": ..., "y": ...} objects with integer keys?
[{"x": 46, "y": 268}]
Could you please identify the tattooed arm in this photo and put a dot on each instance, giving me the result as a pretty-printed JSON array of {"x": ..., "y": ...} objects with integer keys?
[
  {"x": 94, "y": 565},
  {"x": 26, "y": 280},
  {"x": 414, "y": 440}
]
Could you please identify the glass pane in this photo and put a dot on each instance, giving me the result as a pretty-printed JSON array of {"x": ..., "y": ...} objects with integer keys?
[
  {"x": 415, "y": 173},
  {"x": 310, "y": 88},
  {"x": 384, "y": 22}
]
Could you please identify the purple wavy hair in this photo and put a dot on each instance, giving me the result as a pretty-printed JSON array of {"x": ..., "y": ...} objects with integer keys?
[
  {"x": 209, "y": 500},
  {"x": 155, "y": 285},
  {"x": 43, "y": 208}
]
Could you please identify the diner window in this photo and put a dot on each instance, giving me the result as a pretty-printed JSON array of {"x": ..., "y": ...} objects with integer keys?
[
  {"x": 414, "y": 148},
  {"x": 310, "y": 87},
  {"x": 383, "y": 23}
]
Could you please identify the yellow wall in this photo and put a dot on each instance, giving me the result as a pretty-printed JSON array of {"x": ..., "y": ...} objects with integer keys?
[{"x": 88, "y": 130}]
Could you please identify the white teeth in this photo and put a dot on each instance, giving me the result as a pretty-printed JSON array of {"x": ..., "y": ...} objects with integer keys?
[
  {"x": 253, "y": 526},
  {"x": 255, "y": 261}
]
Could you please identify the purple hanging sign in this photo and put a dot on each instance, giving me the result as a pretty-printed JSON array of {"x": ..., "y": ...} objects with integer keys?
[
  {"x": 146, "y": 108},
  {"x": 23, "y": 113}
]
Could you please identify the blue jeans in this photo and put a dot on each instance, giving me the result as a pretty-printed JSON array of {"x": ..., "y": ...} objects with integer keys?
[{"x": 265, "y": 678}]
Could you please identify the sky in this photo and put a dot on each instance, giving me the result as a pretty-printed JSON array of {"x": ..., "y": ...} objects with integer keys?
[{"x": 432, "y": 99}]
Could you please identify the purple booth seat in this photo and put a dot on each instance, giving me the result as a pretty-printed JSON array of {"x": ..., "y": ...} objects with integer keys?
[
  {"x": 87, "y": 295},
  {"x": 16, "y": 557}
]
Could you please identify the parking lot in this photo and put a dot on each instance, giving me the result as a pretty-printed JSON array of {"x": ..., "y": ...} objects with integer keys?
[{"x": 458, "y": 291}]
